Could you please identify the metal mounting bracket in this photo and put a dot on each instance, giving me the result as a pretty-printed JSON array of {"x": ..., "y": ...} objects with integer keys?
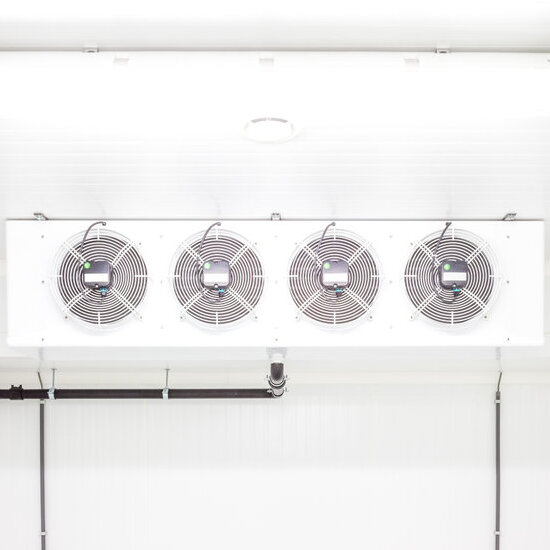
[
  {"x": 166, "y": 389},
  {"x": 51, "y": 391}
]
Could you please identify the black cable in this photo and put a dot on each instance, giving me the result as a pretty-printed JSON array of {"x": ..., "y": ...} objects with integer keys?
[
  {"x": 321, "y": 240},
  {"x": 86, "y": 235},
  {"x": 437, "y": 289},
  {"x": 497, "y": 464},
  {"x": 42, "y": 473},
  {"x": 42, "y": 481},
  {"x": 202, "y": 242},
  {"x": 447, "y": 225}
]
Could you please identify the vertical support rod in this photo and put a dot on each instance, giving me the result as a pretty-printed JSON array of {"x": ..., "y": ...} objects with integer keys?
[
  {"x": 497, "y": 464},
  {"x": 42, "y": 481}
]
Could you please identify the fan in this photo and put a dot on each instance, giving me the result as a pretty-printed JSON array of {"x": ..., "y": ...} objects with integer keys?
[
  {"x": 451, "y": 277},
  {"x": 334, "y": 278},
  {"x": 100, "y": 279},
  {"x": 217, "y": 277}
]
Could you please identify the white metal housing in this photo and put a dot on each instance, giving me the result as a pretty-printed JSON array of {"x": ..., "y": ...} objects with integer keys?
[{"x": 36, "y": 321}]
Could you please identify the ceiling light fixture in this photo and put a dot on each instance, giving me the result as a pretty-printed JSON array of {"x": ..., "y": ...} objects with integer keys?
[{"x": 269, "y": 130}]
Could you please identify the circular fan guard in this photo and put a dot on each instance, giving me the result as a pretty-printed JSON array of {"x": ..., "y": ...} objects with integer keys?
[
  {"x": 322, "y": 305},
  {"x": 247, "y": 278},
  {"x": 444, "y": 306},
  {"x": 129, "y": 278}
]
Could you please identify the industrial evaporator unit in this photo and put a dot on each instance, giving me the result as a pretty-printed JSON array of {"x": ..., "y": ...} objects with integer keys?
[{"x": 174, "y": 285}]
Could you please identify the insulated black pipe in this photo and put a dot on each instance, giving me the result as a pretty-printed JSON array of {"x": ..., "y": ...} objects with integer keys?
[
  {"x": 17, "y": 393},
  {"x": 42, "y": 484}
]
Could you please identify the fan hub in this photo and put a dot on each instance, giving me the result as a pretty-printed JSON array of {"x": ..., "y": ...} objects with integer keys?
[
  {"x": 335, "y": 274},
  {"x": 98, "y": 274},
  {"x": 216, "y": 275},
  {"x": 453, "y": 274}
]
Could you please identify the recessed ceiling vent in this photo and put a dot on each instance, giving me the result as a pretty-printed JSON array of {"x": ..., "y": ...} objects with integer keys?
[
  {"x": 217, "y": 277},
  {"x": 451, "y": 277},
  {"x": 334, "y": 278},
  {"x": 269, "y": 129},
  {"x": 99, "y": 277}
]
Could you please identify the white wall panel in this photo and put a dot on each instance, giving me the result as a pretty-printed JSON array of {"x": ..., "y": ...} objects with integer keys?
[
  {"x": 19, "y": 476},
  {"x": 379, "y": 465}
]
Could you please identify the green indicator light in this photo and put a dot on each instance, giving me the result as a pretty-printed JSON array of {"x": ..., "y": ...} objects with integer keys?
[
  {"x": 446, "y": 267},
  {"x": 87, "y": 265},
  {"x": 207, "y": 265},
  {"x": 326, "y": 265}
]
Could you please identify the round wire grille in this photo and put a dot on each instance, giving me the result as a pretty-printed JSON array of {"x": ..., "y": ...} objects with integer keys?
[
  {"x": 321, "y": 304},
  {"x": 129, "y": 278},
  {"x": 247, "y": 278},
  {"x": 443, "y": 305}
]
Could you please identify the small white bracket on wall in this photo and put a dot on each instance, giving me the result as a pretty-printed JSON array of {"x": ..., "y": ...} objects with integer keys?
[
  {"x": 276, "y": 217},
  {"x": 510, "y": 217},
  {"x": 39, "y": 216}
]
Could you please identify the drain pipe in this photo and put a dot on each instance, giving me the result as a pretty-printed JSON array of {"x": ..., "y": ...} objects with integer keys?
[{"x": 277, "y": 379}]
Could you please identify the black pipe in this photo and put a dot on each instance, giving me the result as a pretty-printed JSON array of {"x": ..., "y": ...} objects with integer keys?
[
  {"x": 277, "y": 379},
  {"x": 497, "y": 464},
  {"x": 42, "y": 484},
  {"x": 18, "y": 393}
]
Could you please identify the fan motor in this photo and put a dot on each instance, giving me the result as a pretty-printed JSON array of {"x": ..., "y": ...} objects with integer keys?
[
  {"x": 216, "y": 275},
  {"x": 98, "y": 274},
  {"x": 453, "y": 274},
  {"x": 335, "y": 275}
]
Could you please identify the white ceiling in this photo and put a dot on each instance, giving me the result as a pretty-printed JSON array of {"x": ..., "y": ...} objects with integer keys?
[
  {"x": 283, "y": 24},
  {"x": 158, "y": 135}
]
